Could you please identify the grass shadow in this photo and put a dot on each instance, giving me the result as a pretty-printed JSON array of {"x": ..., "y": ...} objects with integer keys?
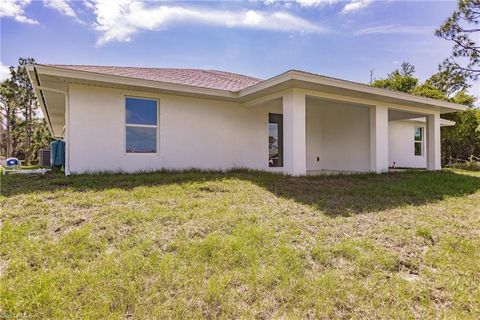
[
  {"x": 334, "y": 195},
  {"x": 356, "y": 194}
]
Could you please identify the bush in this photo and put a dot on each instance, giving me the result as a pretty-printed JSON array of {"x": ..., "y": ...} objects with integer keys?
[
  {"x": 469, "y": 165},
  {"x": 472, "y": 164}
]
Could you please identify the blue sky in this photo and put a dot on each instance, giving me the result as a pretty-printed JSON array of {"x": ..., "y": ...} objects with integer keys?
[{"x": 344, "y": 39}]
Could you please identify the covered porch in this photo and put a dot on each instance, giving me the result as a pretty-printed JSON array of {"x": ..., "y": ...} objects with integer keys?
[{"x": 313, "y": 132}]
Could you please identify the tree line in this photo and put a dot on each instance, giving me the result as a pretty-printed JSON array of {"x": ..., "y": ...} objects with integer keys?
[{"x": 23, "y": 130}]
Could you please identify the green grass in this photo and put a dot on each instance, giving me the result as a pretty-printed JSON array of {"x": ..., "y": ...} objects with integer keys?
[{"x": 240, "y": 245}]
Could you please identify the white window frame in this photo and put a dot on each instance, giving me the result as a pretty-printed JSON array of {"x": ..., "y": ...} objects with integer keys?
[
  {"x": 125, "y": 125},
  {"x": 422, "y": 142}
]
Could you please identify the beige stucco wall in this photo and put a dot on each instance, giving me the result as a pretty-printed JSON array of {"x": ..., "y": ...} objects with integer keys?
[
  {"x": 314, "y": 136},
  {"x": 339, "y": 135},
  {"x": 196, "y": 133},
  {"x": 208, "y": 134},
  {"x": 401, "y": 145}
]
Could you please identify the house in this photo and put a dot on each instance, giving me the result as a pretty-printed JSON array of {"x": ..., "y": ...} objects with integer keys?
[{"x": 132, "y": 119}]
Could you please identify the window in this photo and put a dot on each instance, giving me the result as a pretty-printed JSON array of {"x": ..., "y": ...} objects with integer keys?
[
  {"x": 141, "y": 122},
  {"x": 275, "y": 140},
  {"x": 418, "y": 143}
]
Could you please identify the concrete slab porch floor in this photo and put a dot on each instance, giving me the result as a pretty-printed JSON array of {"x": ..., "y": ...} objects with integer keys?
[
  {"x": 339, "y": 172},
  {"x": 330, "y": 172}
]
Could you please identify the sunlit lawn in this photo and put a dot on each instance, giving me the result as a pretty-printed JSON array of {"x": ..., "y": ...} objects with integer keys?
[{"x": 240, "y": 245}]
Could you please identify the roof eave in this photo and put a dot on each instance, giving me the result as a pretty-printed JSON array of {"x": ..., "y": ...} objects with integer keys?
[
  {"x": 33, "y": 76},
  {"x": 447, "y": 123},
  {"x": 443, "y": 122},
  {"x": 291, "y": 75},
  {"x": 246, "y": 94}
]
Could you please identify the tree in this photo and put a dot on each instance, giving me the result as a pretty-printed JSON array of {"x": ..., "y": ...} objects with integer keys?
[
  {"x": 8, "y": 110},
  {"x": 428, "y": 89},
  {"x": 25, "y": 132},
  {"x": 462, "y": 28},
  {"x": 27, "y": 103},
  {"x": 450, "y": 84},
  {"x": 463, "y": 139},
  {"x": 443, "y": 85},
  {"x": 449, "y": 80},
  {"x": 399, "y": 80}
]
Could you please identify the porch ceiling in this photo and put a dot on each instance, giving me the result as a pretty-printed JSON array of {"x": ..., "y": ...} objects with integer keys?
[
  {"x": 343, "y": 89},
  {"x": 317, "y": 100},
  {"x": 402, "y": 115},
  {"x": 50, "y": 92},
  {"x": 395, "y": 115},
  {"x": 56, "y": 109}
]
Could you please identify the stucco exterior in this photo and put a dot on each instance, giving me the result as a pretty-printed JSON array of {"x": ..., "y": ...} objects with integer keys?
[
  {"x": 192, "y": 133},
  {"x": 216, "y": 120},
  {"x": 219, "y": 135},
  {"x": 338, "y": 135},
  {"x": 401, "y": 141}
]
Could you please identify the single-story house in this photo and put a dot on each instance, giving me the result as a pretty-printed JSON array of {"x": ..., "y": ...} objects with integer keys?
[{"x": 136, "y": 119}]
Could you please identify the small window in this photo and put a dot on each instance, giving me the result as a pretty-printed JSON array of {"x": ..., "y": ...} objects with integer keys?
[
  {"x": 141, "y": 122},
  {"x": 275, "y": 140},
  {"x": 418, "y": 142}
]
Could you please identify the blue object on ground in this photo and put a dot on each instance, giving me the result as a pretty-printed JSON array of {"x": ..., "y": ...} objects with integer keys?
[
  {"x": 57, "y": 155},
  {"x": 12, "y": 162}
]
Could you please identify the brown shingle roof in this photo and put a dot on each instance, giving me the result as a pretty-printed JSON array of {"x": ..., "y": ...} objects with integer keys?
[{"x": 194, "y": 77}]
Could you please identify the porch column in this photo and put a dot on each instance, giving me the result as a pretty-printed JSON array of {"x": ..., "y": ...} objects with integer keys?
[
  {"x": 433, "y": 142},
  {"x": 294, "y": 136},
  {"x": 379, "y": 139}
]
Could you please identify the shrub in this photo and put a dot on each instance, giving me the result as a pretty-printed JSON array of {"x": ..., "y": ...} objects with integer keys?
[{"x": 472, "y": 164}]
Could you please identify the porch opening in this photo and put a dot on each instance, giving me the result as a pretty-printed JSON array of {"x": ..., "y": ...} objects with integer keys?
[{"x": 338, "y": 136}]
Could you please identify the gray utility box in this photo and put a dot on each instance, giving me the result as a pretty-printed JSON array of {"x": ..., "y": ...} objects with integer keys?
[{"x": 44, "y": 157}]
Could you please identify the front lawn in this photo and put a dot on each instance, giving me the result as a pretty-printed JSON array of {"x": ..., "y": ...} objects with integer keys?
[{"x": 240, "y": 245}]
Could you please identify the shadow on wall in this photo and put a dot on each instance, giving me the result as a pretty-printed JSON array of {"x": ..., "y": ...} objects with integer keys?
[{"x": 333, "y": 195}]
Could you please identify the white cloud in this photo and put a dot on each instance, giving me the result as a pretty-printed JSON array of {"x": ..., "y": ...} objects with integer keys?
[
  {"x": 267, "y": 2},
  {"x": 15, "y": 9},
  {"x": 356, "y": 5},
  {"x": 61, "y": 6},
  {"x": 4, "y": 72},
  {"x": 301, "y": 3},
  {"x": 315, "y": 3},
  {"x": 120, "y": 20},
  {"x": 351, "y": 6},
  {"x": 395, "y": 29}
]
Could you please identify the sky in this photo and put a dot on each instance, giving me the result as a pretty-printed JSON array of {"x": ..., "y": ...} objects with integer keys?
[{"x": 343, "y": 39}]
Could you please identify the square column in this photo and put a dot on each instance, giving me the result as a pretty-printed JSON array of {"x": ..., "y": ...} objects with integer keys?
[
  {"x": 294, "y": 135},
  {"x": 66, "y": 134},
  {"x": 379, "y": 139},
  {"x": 433, "y": 142}
]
